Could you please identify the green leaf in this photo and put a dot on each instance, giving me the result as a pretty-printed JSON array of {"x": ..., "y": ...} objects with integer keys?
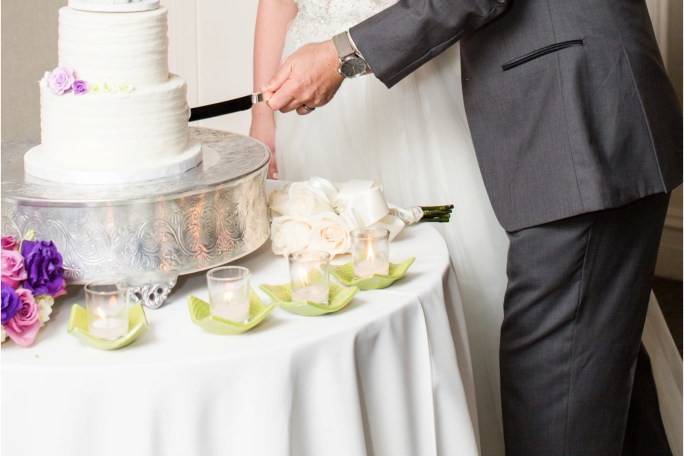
[
  {"x": 200, "y": 313},
  {"x": 78, "y": 327},
  {"x": 338, "y": 298},
  {"x": 345, "y": 274}
]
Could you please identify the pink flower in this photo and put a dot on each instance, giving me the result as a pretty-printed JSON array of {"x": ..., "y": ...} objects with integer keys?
[
  {"x": 10, "y": 243},
  {"x": 61, "y": 79},
  {"x": 23, "y": 328},
  {"x": 13, "y": 272}
]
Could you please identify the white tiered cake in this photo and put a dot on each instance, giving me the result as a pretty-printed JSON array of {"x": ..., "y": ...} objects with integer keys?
[{"x": 111, "y": 112}]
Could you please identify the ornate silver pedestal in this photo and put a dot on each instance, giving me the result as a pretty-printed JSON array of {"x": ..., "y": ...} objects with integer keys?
[{"x": 150, "y": 232}]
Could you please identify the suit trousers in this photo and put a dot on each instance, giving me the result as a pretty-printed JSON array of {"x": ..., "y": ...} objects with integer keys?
[{"x": 575, "y": 380}]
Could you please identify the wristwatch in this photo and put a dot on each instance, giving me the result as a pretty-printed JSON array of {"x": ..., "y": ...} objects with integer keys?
[{"x": 352, "y": 64}]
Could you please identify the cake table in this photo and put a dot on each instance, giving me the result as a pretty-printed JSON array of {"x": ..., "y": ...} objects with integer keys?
[
  {"x": 153, "y": 231},
  {"x": 386, "y": 376}
]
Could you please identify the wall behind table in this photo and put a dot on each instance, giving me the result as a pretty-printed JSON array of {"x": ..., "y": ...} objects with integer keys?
[
  {"x": 211, "y": 47},
  {"x": 29, "y": 47}
]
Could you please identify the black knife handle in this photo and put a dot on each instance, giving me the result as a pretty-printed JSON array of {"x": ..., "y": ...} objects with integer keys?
[{"x": 219, "y": 109}]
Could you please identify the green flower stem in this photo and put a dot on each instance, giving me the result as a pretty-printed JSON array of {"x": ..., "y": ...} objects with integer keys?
[
  {"x": 447, "y": 207},
  {"x": 435, "y": 213},
  {"x": 436, "y": 219}
]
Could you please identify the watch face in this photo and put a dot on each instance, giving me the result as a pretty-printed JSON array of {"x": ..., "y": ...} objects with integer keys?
[{"x": 352, "y": 67}]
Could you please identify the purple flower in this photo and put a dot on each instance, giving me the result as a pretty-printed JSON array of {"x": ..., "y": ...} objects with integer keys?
[
  {"x": 61, "y": 79},
  {"x": 80, "y": 87},
  {"x": 44, "y": 268},
  {"x": 10, "y": 303}
]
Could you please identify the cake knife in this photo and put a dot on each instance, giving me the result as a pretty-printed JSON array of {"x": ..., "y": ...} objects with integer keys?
[{"x": 225, "y": 107}]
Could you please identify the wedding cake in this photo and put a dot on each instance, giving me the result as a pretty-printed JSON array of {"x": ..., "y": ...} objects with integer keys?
[{"x": 111, "y": 112}]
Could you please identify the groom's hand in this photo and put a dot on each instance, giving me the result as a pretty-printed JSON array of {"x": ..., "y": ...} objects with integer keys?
[{"x": 306, "y": 80}]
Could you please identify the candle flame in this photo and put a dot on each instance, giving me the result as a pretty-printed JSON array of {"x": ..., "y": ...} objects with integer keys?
[
  {"x": 303, "y": 278},
  {"x": 99, "y": 313},
  {"x": 370, "y": 252}
]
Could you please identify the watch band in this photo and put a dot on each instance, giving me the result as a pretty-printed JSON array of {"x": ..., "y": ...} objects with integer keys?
[{"x": 343, "y": 45}]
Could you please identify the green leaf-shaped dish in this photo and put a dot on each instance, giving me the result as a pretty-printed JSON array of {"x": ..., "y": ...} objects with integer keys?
[
  {"x": 201, "y": 315},
  {"x": 78, "y": 327},
  {"x": 345, "y": 274},
  {"x": 282, "y": 294}
]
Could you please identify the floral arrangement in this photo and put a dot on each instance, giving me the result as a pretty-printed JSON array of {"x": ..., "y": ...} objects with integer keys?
[
  {"x": 63, "y": 80},
  {"x": 32, "y": 277},
  {"x": 319, "y": 215}
]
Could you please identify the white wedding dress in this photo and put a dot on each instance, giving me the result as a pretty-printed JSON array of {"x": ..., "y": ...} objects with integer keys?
[{"x": 414, "y": 140}]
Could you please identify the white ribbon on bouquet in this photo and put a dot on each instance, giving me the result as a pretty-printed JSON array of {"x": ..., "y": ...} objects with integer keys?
[{"x": 320, "y": 215}]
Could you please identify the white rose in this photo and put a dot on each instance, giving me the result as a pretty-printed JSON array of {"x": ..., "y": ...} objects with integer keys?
[
  {"x": 45, "y": 303},
  {"x": 330, "y": 234},
  {"x": 289, "y": 234},
  {"x": 305, "y": 201},
  {"x": 278, "y": 201}
]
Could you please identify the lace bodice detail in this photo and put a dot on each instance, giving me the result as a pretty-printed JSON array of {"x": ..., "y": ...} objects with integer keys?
[{"x": 319, "y": 20}]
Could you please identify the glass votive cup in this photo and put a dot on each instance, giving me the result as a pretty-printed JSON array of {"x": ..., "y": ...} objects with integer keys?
[
  {"x": 107, "y": 310},
  {"x": 229, "y": 292},
  {"x": 370, "y": 251},
  {"x": 309, "y": 276}
]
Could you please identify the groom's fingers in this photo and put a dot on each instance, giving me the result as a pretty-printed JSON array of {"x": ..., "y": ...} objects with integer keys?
[
  {"x": 279, "y": 79},
  {"x": 284, "y": 98}
]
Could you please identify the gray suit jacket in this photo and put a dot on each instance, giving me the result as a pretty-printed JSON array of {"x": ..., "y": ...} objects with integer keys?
[{"x": 568, "y": 101}]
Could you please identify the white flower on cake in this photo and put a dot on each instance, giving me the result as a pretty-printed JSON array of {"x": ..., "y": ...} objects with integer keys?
[
  {"x": 330, "y": 234},
  {"x": 290, "y": 234}
]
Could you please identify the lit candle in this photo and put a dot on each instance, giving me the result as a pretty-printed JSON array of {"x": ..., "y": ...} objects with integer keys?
[
  {"x": 309, "y": 277},
  {"x": 107, "y": 310},
  {"x": 370, "y": 252},
  {"x": 229, "y": 292}
]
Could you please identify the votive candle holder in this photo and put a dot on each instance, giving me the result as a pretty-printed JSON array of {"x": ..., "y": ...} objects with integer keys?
[
  {"x": 229, "y": 292},
  {"x": 107, "y": 310},
  {"x": 370, "y": 252},
  {"x": 309, "y": 276}
]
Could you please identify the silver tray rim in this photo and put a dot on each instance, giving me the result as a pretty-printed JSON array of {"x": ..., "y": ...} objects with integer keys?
[{"x": 17, "y": 197}]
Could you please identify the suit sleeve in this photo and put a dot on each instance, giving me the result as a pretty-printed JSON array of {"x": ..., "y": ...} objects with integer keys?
[{"x": 399, "y": 39}]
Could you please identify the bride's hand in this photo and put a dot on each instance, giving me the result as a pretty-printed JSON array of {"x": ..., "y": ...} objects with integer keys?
[
  {"x": 263, "y": 129},
  {"x": 306, "y": 80}
]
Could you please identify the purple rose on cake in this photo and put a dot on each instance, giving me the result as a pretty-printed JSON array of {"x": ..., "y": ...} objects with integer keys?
[
  {"x": 10, "y": 303},
  {"x": 45, "y": 271},
  {"x": 61, "y": 79},
  {"x": 80, "y": 87}
]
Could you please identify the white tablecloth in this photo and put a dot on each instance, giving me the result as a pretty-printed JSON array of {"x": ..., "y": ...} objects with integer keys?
[{"x": 386, "y": 376}]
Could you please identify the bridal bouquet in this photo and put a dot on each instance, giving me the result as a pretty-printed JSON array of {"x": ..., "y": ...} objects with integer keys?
[
  {"x": 32, "y": 277},
  {"x": 319, "y": 215}
]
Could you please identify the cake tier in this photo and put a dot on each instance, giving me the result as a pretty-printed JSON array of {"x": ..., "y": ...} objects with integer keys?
[
  {"x": 116, "y": 48},
  {"x": 108, "y": 130},
  {"x": 114, "y": 5}
]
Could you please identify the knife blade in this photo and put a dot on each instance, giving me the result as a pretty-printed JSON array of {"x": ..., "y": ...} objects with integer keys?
[{"x": 225, "y": 107}]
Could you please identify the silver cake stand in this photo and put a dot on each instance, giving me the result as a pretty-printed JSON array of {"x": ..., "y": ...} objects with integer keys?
[{"x": 148, "y": 233}]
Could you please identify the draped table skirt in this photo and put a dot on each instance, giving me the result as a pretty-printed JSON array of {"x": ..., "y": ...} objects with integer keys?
[{"x": 388, "y": 375}]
